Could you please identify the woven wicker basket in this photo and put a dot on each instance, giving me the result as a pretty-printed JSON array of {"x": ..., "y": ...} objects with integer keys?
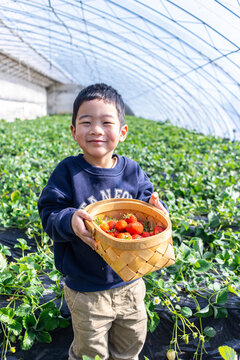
[{"x": 131, "y": 259}]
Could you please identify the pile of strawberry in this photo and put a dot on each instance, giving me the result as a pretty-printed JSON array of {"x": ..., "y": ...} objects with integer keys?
[{"x": 128, "y": 228}]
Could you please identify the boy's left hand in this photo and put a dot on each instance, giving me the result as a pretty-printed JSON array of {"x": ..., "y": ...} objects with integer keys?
[{"x": 154, "y": 200}]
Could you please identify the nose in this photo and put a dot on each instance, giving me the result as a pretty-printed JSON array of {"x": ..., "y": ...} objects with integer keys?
[{"x": 96, "y": 129}]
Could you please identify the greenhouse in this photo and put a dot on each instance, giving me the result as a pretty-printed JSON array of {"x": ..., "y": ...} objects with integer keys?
[{"x": 176, "y": 65}]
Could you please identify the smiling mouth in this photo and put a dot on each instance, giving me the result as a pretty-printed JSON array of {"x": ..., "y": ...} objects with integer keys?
[{"x": 96, "y": 141}]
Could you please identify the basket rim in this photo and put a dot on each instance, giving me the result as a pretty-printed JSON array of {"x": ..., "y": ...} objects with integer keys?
[{"x": 123, "y": 243}]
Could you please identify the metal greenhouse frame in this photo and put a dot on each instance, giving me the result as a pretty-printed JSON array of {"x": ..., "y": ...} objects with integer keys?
[{"x": 176, "y": 60}]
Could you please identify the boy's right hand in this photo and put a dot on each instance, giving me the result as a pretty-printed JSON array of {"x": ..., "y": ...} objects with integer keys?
[{"x": 80, "y": 229}]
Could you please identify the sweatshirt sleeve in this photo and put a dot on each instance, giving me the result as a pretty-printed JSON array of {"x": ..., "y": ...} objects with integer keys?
[{"x": 55, "y": 207}]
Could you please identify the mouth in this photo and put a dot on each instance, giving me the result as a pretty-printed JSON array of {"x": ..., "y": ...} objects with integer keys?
[{"x": 96, "y": 141}]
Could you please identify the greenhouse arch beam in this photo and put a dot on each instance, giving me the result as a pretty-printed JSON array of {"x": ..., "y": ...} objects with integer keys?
[
  {"x": 163, "y": 51},
  {"x": 134, "y": 44}
]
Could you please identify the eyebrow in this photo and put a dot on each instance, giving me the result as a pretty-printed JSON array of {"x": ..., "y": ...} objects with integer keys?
[
  {"x": 84, "y": 116},
  {"x": 87, "y": 116}
]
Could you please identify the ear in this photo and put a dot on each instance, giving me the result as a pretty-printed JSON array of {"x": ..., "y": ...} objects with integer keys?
[
  {"x": 123, "y": 133},
  {"x": 73, "y": 131}
]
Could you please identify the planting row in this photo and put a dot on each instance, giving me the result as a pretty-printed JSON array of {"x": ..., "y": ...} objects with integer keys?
[{"x": 198, "y": 178}]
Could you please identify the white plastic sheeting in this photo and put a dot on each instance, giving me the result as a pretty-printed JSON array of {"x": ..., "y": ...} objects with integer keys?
[{"x": 176, "y": 60}]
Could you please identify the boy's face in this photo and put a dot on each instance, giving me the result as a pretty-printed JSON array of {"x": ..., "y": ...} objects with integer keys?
[{"x": 97, "y": 131}]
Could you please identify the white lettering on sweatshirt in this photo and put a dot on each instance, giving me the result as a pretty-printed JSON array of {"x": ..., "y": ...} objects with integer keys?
[{"x": 107, "y": 194}]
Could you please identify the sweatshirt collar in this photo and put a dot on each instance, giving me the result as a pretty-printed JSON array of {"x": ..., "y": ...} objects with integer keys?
[{"x": 116, "y": 170}]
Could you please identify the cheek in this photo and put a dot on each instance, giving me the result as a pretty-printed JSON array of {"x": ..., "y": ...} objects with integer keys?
[
  {"x": 80, "y": 136},
  {"x": 114, "y": 135}
]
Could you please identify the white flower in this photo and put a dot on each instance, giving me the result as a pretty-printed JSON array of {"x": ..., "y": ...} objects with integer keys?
[{"x": 156, "y": 300}]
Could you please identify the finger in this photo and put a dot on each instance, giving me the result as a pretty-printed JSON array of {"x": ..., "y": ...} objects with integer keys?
[
  {"x": 81, "y": 231},
  {"x": 154, "y": 200},
  {"x": 84, "y": 214},
  {"x": 154, "y": 195},
  {"x": 90, "y": 241}
]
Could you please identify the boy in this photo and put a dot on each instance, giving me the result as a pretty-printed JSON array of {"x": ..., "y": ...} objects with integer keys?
[{"x": 108, "y": 315}]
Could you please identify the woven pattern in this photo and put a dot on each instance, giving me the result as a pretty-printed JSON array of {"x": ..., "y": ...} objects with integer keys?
[
  {"x": 132, "y": 259},
  {"x": 131, "y": 265}
]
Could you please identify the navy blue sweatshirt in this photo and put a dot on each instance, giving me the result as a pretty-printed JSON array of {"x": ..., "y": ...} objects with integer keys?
[{"x": 74, "y": 184}]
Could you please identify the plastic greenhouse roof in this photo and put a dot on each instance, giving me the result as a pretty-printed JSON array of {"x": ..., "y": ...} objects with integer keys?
[{"x": 176, "y": 60}]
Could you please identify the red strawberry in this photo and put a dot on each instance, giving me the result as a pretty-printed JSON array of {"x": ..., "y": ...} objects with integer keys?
[
  {"x": 112, "y": 224},
  {"x": 104, "y": 226},
  {"x": 121, "y": 225},
  {"x": 114, "y": 233},
  {"x": 135, "y": 228},
  {"x": 137, "y": 236},
  {"x": 146, "y": 234},
  {"x": 130, "y": 218},
  {"x": 158, "y": 229},
  {"x": 124, "y": 235}
]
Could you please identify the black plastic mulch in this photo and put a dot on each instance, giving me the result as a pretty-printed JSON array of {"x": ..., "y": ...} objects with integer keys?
[{"x": 157, "y": 343}]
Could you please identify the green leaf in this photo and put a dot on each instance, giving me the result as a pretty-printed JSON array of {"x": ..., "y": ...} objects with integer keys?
[
  {"x": 42, "y": 320},
  {"x": 15, "y": 327},
  {"x": 54, "y": 275},
  {"x": 43, "y": 336},
  {"x": 161, "y": 283},
  {"x": 227, "y": 353},
  {"x": 220, "y": 312},
  {"x": 35, "y": 290},
  {"x": 222, "y": 296},
  {"x": 63, "y": 323},
  {"x": 22, "y": 244},
  {"x": 232, "y": 290},
  {"x": 6, "y": 314},
  {"x": 51, "y": 324},
  {"x": 204, "y": 312},
  {"x": 3, "y": 263},
  {"x": 209, "y": 331},
  {"x": 186, "y": 311},
  {"x": 5, "y": 250},
  {"x": 202, "y": 266},
  {"x": 198, "y": 245},
  {"x": 29, "y": 321},
  {"x": 208, "y": 255},
  {"x": 49, "y": 320},
  {"x": 153, "y": 320},
  {"x": 49, "y": 306},
  {"x": 28, "y": 339},
  {"x": 15, "y": 196},
  {"x": 23, "y": 309},
  {"x": 213, "y": 220},
  {"x": 185, "y": 249},
  {"x": 184, "y": 227}
]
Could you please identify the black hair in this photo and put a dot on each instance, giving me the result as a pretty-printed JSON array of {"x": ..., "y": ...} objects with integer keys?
[{"x": 100, "y": 91}]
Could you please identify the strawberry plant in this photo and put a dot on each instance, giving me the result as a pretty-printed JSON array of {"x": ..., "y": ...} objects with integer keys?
[
  {"x": 198, "y": 178},
  {"x": 26, "y": 317}
]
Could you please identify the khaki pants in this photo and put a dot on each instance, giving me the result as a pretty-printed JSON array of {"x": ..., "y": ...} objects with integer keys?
[{"x": 110, "y": 323}]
